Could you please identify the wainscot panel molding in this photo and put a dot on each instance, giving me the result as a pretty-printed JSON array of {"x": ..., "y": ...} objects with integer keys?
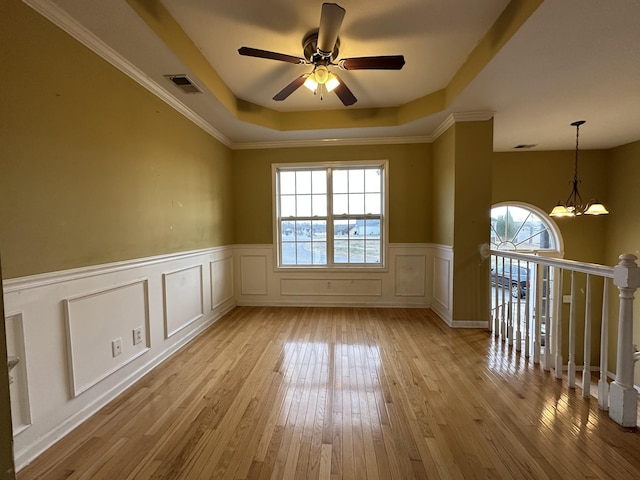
[
  {"x": 94, "y": 317},
  {"x": 64, "y": 324},
  {"x": 18, "y": 383},
  {"x": 442, "y": 277},
  {"x": 183, "y": 298},
  {"x": 406, "y": 282}
]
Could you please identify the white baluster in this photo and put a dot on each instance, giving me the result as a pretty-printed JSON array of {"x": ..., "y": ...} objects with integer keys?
[
  {"x": 623, "y": 398},
  {"x": 549, "y": 323},
  {"x": 537, "y": 332},
  {"x": 603, "y": 385},
  {"x": 571, "y": 364},
  {"x": 510, "y": 308},
  {"x": 496, "y": 312},
  {"x": 586, "y": 371},
  {"x": 527, "y": 326},
  {"x": 502, "y": 315},
  {"x": 518, "y": 320},
  {"x": 557, "y": 331}
]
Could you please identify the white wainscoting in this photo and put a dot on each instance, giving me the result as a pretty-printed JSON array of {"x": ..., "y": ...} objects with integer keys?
[
  {"x": 96, "y": 317},
  {"x": 442, "y": 276},
  {"x": 62, "y": 325},
  {"x": 407, "y": 281},
  {"x": 19, "y": 384},
  {"x": 183, "y": 298}
]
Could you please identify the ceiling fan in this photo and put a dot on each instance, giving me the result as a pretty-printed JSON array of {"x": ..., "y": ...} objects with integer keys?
[{"x": 321, "y": 47}]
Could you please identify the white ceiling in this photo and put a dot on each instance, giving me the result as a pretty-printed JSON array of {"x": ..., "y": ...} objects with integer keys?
[{"x": 571, "y": 60}]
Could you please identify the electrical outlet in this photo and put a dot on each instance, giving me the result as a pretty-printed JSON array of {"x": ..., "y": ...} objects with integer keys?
[
  {"x": 137, "y": 335},
  {"x": 116, "y": 347}
]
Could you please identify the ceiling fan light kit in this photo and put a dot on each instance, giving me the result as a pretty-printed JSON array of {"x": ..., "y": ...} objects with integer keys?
[
  {"x": 574, "y": 206},
  {"x": 321, "y": 49}
]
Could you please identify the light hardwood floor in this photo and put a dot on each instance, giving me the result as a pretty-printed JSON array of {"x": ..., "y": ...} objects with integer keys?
[{"x": 341, "y": 393}]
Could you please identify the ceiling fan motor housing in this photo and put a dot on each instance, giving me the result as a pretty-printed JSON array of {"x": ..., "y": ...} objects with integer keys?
[{"x": 311, "y": 52}]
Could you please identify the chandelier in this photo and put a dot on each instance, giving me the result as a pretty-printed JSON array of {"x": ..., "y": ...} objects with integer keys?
[{"x": 574, "y": 205}]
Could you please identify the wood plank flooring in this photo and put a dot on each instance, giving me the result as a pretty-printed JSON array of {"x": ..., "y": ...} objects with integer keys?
[{"x": 344, "y": 393}]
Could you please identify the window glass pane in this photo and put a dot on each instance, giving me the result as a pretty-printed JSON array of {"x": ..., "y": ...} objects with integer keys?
[
  {"x": 340, "y": 181},
  {"x": 341, "y": 204},
  {"x": 341, "y": 251},
  {"x": 303, "y": 182},
  {"x": 288, "y": 232},
  {"x": 319, "y": 181},
  {"x": 373, "y": 251},
  {"x": 372, "y": 228},
  {"x": 356, "y": 251},
  {"x": 288, "y": 247},
  {"x": 304, "y": 253},
  {"x": 372, "y": 203},
  {"x": 319, "y": 239},
  {"x": 303, "y": 205},
  {"x": 372, "y": 180},
  {"x": 356, "y": 180},
  {"x": 287, "y": 182},
  {"x": 319, "y": 205},
  {"x": 288, "y": 254},
  {"x": 303, "y": 229},
  {"x": 340, "y": 229},
  {"x": 319, "y": 253},
  {"x": 356, "y": 228},
  {"x": 356, "y": 203},
  {"x": 287, "y": 206},
  {"x": 319, "y": 230}
]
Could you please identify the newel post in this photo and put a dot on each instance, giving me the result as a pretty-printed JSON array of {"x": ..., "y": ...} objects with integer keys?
[{"x": 623, "y": 398}]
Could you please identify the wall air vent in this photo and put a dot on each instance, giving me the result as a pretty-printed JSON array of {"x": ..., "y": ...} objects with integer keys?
[{"x": 183, "y": 83}]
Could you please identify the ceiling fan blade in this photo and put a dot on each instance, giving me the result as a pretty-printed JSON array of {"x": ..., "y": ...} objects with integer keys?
[
  {"x": 289, "y": 89},
  {"x": 388, "y": 62},
  {"x": 256, "y": 52},
  {"x": 330, "y": 22},
  {"x": 344, "y": 94}
]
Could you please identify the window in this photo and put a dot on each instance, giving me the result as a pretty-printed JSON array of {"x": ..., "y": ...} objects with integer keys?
[
  {"x": 520, "y": 227},
  {"x": 330, "y": 215}
]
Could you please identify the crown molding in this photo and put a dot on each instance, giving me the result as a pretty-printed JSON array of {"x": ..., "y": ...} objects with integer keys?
[
  {"x": 60, "y": 18},
  {"x": 461, "y": 117},
  {"x": 331, "y": 142}
]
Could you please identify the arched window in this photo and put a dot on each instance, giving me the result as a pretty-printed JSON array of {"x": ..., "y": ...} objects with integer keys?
[{"x": 522, "y": 227}]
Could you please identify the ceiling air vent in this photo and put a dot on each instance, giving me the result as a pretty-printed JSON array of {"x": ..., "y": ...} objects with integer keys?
[{"x": 183, "y": 83}]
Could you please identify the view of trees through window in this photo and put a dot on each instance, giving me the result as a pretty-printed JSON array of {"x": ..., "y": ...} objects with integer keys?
[{"x": 518, "y": 228}]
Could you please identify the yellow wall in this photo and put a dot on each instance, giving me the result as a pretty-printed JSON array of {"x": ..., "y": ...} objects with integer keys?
[
  {"x": 443, "y": 188},
  {"x": 623, "y": 227},
  {"x": 542, "y": 178},
  {"x": 94, "y": 168},
  {"x": 409, "y": 187},
  {"x": 472, "y": 213}
]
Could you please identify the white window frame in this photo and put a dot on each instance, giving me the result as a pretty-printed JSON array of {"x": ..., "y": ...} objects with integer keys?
[
  {"x": 383, "y": 165},
  {"x": 552, "y": 227}
]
